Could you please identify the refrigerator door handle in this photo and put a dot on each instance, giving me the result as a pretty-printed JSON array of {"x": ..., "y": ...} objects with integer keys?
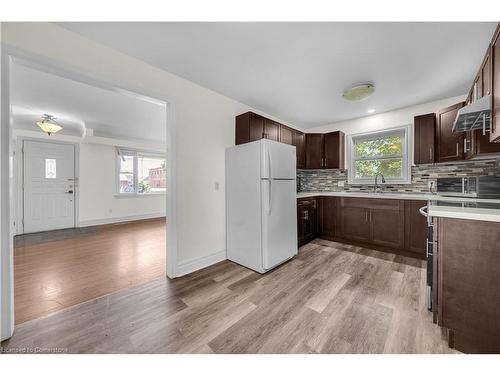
[
  {"x": 270, "y": 197},
  {"x": 270, "y": 164}
]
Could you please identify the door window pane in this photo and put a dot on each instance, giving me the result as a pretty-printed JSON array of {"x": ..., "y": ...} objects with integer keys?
[
  {"x": 127, "y": 174},
  {"x": 50, "y": 168},
  {"x": 151, "y": 175}
]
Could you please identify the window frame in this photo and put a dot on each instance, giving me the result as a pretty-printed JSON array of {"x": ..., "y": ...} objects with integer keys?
[
  {"x": 135, "y": 154},
  {"x": 352, "y": 139}
]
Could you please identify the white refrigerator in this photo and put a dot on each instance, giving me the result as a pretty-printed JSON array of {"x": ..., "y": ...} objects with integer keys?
[{"x": 261, "y": 204}]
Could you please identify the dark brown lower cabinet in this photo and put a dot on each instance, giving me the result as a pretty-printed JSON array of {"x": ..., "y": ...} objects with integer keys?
[
  {"x": 327, "y": 217},
  {"x": 307, "y": 223},
  {"x": 415, "y": 228},
  {"x": 382, "y": 224},
  {"x": 375, "y": 221},
  {"x": 354, "y": 223},
  {"x": 467, "y": 288}
]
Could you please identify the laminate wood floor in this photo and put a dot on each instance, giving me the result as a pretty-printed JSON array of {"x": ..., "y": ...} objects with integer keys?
[
  {"x": 55, "y": 270},
  {"x": 332, "y": 298}
]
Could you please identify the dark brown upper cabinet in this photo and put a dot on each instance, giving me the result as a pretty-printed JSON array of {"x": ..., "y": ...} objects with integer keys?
[
  {"x": 334, "y": 150},
  {"x": 424, "y": 138},
  {"x": 286, "y": 134},
  {"x": 495, "y": 87},
  {"x": 299, "y": 141},
  {"x": 252, "y": 127},
  {"x": 314, "y": 151},
  {"x": 449, "y": 144},
  {"x": 325, "y": 151}
]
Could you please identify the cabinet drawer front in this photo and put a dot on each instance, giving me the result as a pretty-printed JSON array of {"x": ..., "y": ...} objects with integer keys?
[
  {"x": 306, "y": 202},
  {"x": 376, "y": 203}
]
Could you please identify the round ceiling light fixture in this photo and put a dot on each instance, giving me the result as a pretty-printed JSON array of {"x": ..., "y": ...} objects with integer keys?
[
  {"x": 359, "y": 91},
  {"x": 49, "y": 124}
]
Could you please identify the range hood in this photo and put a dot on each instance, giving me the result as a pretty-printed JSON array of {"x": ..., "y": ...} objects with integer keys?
[{"x": 474, "y": 116}]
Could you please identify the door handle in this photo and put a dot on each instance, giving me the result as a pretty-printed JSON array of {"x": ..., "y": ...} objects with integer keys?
[
  {"x": 270, "y": 196},
  {"x": 69, "y": 192}
]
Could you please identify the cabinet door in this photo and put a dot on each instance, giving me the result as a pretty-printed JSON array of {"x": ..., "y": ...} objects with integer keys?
[
  {"x": 300, "y": 224},
  {"x": 314, "y": 151},
  {"x": 424, "y": 138},
  {"x": 272, "y": 130},
  {"x": 299, "y": 141},
  {"x": 354, "y": 223},
  {"x": 334, "y": 150},
  {"x": 327, "y": 217},
  {"x": 256, "y": 127},
  {"x": 415, "y": 228},
  {"x": 311, "y": 221},
  {"x": 286, "y": 135},
  {"x": 495, "y": 88},
  {"x": 387, "y": 224},
  {"x": 450, "y": 144}
]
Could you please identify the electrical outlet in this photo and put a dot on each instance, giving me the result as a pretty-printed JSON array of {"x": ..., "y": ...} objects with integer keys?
[
  {"x": 217, "y": 185},
  {"x": 341, "y": 183}
]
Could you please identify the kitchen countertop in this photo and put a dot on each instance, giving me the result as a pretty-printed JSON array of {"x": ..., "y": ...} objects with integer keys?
[
  {"x": 459, "y": 211},
  {"x": 409, "y": 196}
]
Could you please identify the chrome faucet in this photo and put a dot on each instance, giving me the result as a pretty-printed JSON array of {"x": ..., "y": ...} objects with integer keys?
[{"x": 376, "y": 187}]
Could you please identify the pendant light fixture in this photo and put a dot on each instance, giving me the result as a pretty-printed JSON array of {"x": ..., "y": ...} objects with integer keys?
[
  {"x": 49, "y": 124},
  {"x": 359, "y": 91}
]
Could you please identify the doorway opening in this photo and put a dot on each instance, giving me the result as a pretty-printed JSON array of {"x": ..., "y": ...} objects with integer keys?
[{"x": 91, "y": 200}]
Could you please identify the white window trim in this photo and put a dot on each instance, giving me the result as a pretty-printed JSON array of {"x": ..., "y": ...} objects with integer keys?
[
  {"x": 405, "y": 157},
  {"x": 135, "y": 154}
]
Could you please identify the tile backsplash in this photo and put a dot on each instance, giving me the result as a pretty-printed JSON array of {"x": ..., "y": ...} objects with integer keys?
[{"x": 328, "y": 179}]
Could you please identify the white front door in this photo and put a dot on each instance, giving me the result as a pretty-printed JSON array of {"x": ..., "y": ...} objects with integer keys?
[{"x": 49, "y": 186}]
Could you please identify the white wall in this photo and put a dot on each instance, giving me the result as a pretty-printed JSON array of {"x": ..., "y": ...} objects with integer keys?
[
  {"x": 98, "y": 202},
  {"x": 391, "y": 119},
  {"x": 204, "y": 123}
]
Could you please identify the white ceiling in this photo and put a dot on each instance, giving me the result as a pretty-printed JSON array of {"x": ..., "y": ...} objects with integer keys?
[
  {"x": 297, "y": 71},
  {"x": 79, "y": 106}
]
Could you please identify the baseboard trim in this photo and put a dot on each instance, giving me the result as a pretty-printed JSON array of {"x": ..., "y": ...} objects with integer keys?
[
  {"x": 122, "y": 219},
  {"x": 189, "y": 266}
]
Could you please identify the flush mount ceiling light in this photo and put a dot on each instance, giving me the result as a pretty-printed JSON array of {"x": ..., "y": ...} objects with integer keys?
[
  {"x": 359, "y": 91},
  {"x": 49, "y": 124}
]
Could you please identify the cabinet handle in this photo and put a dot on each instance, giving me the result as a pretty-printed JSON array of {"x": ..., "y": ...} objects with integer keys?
[
  {"x": 465, "y": 145},
  {"x": 306, "y": 215},
  {"x": 484, "y": 124},
  {"x": 457, "y": 150},
  {"x": 430, "y": 154},
  {"x": 366, "y": 216},
  {"x": 326, "y": 163}
]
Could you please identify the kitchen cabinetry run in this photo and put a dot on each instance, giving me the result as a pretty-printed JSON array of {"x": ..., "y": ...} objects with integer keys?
[
  {"x": 314, "y": 151},
  {"x": 391, "y": 225},
  {"x": 307, "y": 222},
  {"x": 466, "y": 292},
  {"x": 325, "y": 151},
  {"x": 424, "y": 138}
]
